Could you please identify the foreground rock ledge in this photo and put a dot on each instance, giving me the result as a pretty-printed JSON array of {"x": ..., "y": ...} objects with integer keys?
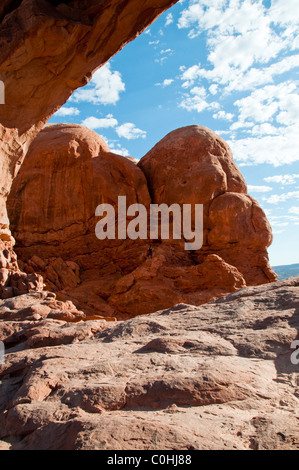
[{"x": 218, "y": 376}]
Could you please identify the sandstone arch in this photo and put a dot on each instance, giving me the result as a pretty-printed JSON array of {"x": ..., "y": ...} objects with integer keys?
[{"x": 49, "y": 48}]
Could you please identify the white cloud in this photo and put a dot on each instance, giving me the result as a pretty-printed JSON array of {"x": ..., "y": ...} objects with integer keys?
[
  {"x": 294, "y": 210},
  {"x": 154, "y": 43},
  {"x": 213, "y": 89},
  {"x": 129, "y": 131},
  {"x": 105, "y": 88},
  {"x": 264, "y": 129},
  {"x": 267, "y": 212},
  {"x": 272, "y": 114},
  {"x": 223, "y": 115},
  {"x": 281, "y": 218},
  {"x": 277, "y": 198},
  {"x": 238, "y": 125},
  {"x": 103, "y": 123},
  {"x": 242, "y": 41},
  {"x": 166, "y": 82},
  {"x": 115, "y": 147},
  {"x": 262, "y": 104},
  {"x": 224, "y": 17},
  {"x": 162, "y": 60},
  {"x": 196, "y": 100},
  {"x": 285, "y": 13},
  {"x": 277, "y": 150},
  {"x": 190, "y": 75},
  {"x": 119, "y": 150},
  {"x": 279, "y": 224},
  {"x": 169, "y": 19},
  {"x": 166, "y": 51},
  {"x": 281, "y": 221},
  {"x": 242, "y": 38},
  {"x": 245, "y": 53},
  {"x": 259, "y": 189},
  {"x": 282, "y": 179},
  {"x": 254, "y": 77},
  {"x": 289, "y": 109},
  {"x": 233, "y": 78},
  {"x": 67, "y": 112}
]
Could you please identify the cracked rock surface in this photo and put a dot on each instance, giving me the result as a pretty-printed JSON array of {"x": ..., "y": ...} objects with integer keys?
[{"x": 218, "y": 376}]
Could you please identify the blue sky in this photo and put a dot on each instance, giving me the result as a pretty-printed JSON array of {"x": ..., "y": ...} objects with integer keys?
[{"x": 230, "y": 65}]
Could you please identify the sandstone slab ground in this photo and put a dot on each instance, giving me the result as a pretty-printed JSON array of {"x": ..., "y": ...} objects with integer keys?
[{"x": 218, "y": 376}]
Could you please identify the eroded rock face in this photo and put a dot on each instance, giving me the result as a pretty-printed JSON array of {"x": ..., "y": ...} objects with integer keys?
[
  {"x": 14, "y": 282},
  {"x": 219, "y": 376},
  {"x": 193, "y": 165},
  {"x": 49, "y": 48},
  {"x": 69, "y": 171},
  {"x": 201, "y": 167}
]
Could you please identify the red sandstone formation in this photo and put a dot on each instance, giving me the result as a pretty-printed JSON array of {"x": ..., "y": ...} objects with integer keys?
[
  {"x": 69, "y": 171},
  {"x": 49, "y": 48},
  {"x": 194, "y": 165}
]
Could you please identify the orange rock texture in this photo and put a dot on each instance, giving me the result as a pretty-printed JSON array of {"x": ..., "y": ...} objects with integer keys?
[
  {"x": 49, "y": 48},
  {"x": 69, "y": 171}
]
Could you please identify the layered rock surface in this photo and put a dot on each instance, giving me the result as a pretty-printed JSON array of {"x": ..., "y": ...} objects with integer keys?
[
  {"x": 219, "y": 376},
  {"x": 69, "y": 171},
  {"x": 49, "y": 48}
]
